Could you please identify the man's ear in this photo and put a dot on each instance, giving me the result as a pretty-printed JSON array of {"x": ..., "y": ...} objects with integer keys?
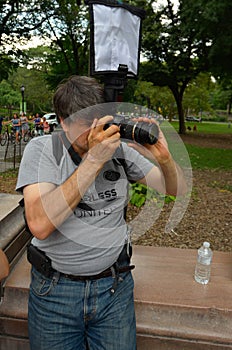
[{"x": 63, "y": 124}]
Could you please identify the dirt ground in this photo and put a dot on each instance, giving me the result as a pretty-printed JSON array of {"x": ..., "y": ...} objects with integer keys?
[
  {"x": 207, "y": 140},
  {"x": 208, "y": 215},
  {"x": 209, "y": 212}
]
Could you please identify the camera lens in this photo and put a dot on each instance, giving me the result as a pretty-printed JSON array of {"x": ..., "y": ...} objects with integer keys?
[
  {"x": 140, "y": 132},
  {"x": 146, "y": 133}
]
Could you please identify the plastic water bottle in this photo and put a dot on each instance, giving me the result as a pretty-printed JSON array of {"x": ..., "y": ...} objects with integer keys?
[{"x": 203, "y": 265}]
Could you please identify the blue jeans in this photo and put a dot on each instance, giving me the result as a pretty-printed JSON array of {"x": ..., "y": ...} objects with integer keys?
[{"x": 65, "y": 314}]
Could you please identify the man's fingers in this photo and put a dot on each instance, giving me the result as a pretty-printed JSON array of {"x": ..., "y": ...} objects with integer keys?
[{"x": 100, "y": 123}]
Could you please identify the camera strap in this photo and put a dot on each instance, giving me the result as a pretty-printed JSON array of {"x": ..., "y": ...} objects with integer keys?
[{"x": 59, "y": 139}]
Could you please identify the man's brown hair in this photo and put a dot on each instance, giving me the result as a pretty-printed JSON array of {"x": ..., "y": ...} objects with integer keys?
[{"x": 76, "y": 93}]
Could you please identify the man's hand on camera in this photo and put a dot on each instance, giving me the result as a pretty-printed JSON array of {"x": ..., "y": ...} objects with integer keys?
[
  {"x": 159, "y": 151},
  {"x": 102, "y": 143}
]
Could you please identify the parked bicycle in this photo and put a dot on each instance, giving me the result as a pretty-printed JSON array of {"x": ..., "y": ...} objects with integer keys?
[
  {"x": 4, "y": 135},
  {"x": 29, "y": 134},
  {"x": 9, "y": 135}
]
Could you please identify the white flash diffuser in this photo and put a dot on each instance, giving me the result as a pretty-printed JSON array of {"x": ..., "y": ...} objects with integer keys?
[{"x": 115, "y": 36}]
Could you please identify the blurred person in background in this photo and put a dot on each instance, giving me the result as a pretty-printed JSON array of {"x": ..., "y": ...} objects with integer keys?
[
  {"x": 24, "y": 124},
  {"x": 16, "y": 126}
]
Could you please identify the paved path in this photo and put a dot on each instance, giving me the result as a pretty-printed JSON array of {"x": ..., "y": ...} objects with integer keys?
[
  {"x": 9, "y": 153},
  {"x": 4, "y": 166},
  {"x": 12, "y": 150}
]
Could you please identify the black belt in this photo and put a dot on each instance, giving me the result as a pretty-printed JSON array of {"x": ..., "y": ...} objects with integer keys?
[
  {"x": 106, "y": 273},
  {"x": 42, "y": 264}
]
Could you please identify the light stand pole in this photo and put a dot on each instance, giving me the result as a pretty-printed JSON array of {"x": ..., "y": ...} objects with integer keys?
[
  {"x": 115, "y": 38},
  {"x": 22, "y": 92}
]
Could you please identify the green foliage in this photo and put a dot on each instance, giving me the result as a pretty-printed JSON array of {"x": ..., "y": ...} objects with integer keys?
[
  {"x": 178, "y": 42},
  {"x": 198, "y": 94},
  {"x": 181, "y": 43},
  {"x": 140, "y": 193},
  {"x": 70, "y": 54},
  {"x": 9, "y": 97},
  {"x": 129, "y": 91},
  {"x": 211, "y": 22},
  {"x": 174, "y": 56},
  {"x": 10, "y": 174},
  {"x": 156, "y": 98},
  {"x": 137, "y": 194},
  {"x": 220, "y": 96},
  {"x": 62, "y": 65},
  {"x": 63, "y": 22},
  {"x": 7, "y": 65},
  {"x": 38, "y": 95},
  {"x": 18, "y": 19}
]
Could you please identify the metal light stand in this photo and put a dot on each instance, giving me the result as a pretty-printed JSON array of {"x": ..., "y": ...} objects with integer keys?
[{"x": 114, "y": 84}]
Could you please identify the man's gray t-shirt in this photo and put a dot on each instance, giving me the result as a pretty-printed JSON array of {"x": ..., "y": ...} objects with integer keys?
[{"x": 92, "y": 237}]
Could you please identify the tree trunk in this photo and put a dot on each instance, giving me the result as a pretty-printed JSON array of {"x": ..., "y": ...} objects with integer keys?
[
  {"x": 182, "y": 128},
  {"x": 229, "y": 107},
  {"x": 179, "y": 98}
]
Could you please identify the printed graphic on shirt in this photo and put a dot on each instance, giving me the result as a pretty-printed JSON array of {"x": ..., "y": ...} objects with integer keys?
[
  {"x": 111, "y": 175},
  {"x": 105, "y": 196}
]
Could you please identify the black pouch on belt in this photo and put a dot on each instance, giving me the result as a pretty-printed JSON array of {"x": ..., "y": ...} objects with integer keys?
[
  {"x": 125, "y": 254},
  {"x": 39, "y": 260}
]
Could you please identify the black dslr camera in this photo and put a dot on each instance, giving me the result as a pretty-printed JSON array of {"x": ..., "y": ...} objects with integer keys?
[{"x": 140, "y": 132}]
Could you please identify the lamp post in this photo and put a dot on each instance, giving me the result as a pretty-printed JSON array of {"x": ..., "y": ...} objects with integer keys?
[
  {"x": 22, "y": 92},
  {"x": 115, "y": 37}
]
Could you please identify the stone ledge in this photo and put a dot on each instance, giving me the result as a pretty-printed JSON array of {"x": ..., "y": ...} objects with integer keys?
[
  {"x": 8, "y": 202},
  {"x": 172, "y": 310},
  {"x": 170, "y": 304}
]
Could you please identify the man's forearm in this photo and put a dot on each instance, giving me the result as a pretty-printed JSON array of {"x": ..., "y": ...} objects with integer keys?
[
  {"x": 48, "y": 209},
  {"x": 175, "y": 183}
]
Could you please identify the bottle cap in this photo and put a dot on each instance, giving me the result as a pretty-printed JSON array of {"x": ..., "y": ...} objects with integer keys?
[{"x": 206, "y": 244}]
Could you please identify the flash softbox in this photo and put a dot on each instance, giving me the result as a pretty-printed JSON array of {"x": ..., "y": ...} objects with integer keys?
[{"x": 115, "y": 36}]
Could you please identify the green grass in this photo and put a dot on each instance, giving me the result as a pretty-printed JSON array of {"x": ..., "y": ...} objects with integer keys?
[
  {"x": 201, "y": 158},
  {"x": 207, "y": 128},
  {"x": 209, "y": 158}
]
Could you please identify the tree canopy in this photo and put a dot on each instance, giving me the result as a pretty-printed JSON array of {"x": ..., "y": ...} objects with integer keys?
[
  {"x": 178, "y": 43},
  {"x": 18, "y": 20},
  {"x": 211, "y": 20},
  {"x": 175, "y": 56},
  {"x": 62, "y": 22}
]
